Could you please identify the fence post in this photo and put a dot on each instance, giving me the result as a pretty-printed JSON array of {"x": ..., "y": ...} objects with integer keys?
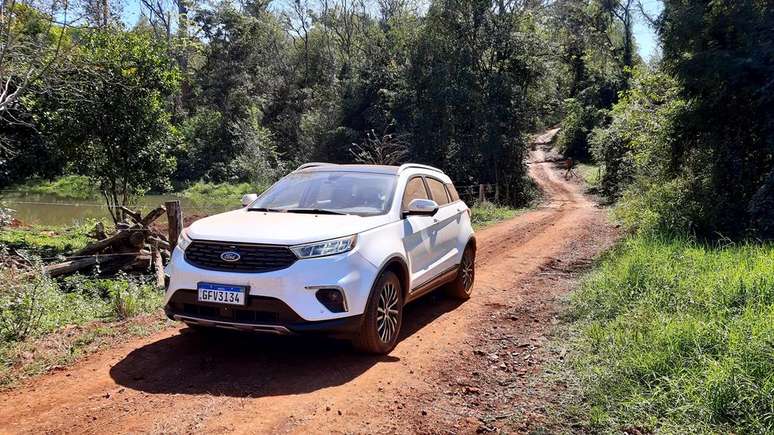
[
  {"x": 481, "y": 194},
  {"x": 174, "y": 221}
]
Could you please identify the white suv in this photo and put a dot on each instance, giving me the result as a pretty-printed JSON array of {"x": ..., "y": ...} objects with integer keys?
[{"x": 332, "y": 249}]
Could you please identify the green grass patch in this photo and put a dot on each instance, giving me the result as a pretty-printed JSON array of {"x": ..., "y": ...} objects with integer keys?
[
  {"x": 677, "y": 337},
  {"x": 46, "y": 241},
  {"x": 487, "y": 213},
  {"x": 219, "y": 194},
  {"x": 67, "y": 187}
]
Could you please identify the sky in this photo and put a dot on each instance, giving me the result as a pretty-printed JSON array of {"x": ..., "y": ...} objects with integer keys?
[{"x": 644, "y": 34}]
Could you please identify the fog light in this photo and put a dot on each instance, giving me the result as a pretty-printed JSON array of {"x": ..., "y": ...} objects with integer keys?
[{"x": 332, "y": 299}]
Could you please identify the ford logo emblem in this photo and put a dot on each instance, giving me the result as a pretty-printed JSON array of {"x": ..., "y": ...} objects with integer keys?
[{"x": 230, "y": 256}]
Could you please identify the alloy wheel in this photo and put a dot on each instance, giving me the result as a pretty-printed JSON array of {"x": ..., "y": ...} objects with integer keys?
[
  {"x": 466, "y": 269},
  {"x": 387, "y": 312}
]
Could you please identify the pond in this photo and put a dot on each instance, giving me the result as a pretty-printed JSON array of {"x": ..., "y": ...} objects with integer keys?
[{"x": 37, "y": 209}]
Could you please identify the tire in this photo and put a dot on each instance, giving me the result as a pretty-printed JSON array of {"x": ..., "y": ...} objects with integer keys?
[
  {"x": 379, "y": 334},
  {"x": 462, "y": 286}
]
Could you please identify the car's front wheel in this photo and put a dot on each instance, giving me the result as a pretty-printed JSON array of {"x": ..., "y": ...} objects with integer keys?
[{"x": 383, "y": 316}]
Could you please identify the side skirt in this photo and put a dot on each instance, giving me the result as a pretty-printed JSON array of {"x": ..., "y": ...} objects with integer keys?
[{"x": 444, "y": 277}]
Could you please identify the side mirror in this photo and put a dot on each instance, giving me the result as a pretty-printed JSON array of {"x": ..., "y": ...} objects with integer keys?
[
  {"x": 421, "y": 207},
  {"x": 248, "y": 199}
]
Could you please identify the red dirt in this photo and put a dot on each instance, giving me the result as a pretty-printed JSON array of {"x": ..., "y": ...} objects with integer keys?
[{"x": 442, "y": 377}]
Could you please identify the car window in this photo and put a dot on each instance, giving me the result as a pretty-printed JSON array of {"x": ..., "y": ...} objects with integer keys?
[
  {"x": 415, "y": 189},
  {"x": 438, "y": 191},
  {"x": 452, "y": 192},
  {"x": 357, "y": 193}
]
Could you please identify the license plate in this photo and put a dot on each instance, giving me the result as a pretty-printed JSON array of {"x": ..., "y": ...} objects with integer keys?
[{"x": 222, "y": 294}]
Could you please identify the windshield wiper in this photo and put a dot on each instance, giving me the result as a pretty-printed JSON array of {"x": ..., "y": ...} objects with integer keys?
[
  {"x": 313, "y": 211},
  {"x": 265, "y": 209}
]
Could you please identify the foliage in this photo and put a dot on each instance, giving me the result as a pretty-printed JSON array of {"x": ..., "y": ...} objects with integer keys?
[
  {"x": 122, "y": 135},
  {"x": 590, "y": 174},
  {"x": 67, "y": 187},
  {"x": 637, "y": 142},
  {"x": 691, "y": 145},
  {"x": 45, "y": 324},
  {"x": 676, "y": 337},
  {"x": 380, "y": 150},
  {"x": 258, "y": 160},
  {"x": 220, "y": 194},
  {"x": 23, "y": 303}
]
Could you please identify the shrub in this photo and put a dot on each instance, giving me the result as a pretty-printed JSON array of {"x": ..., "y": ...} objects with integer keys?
[
  {"x": 219, "y": 194},
  {"x": 24, "y": 302},
  {"x": 67, "y": 187},
  {"x": 576, "y": 127}
]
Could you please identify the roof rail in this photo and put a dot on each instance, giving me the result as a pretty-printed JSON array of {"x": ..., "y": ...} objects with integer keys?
[
  {"x": 405, "y": 166},
  {"x": 312, "y": 165}
]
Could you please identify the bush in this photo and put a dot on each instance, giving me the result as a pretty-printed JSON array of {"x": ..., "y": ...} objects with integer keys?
[
  {"x": 129, "y": 296},
  {"x": 219, "y": 194},
  {"x": 678, "y": 337},
  {"x": 67, "y": 187},
  {"x": 24, "y": 303},
  {"x": 576, "y": 127}
]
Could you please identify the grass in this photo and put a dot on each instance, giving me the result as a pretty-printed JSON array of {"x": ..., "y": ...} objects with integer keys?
[
  {"x": 677, "y": 337},
  {"x": 219, "y": 194},
  {"x": 67, "y": 187},
  {"x": 487, "y": 213},
  {"x": 46, "y": 241},
  {"x": 44, "y": 323}
]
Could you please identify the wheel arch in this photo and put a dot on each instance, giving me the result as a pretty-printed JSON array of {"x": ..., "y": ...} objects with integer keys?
[
  {"x": 397, "y": 265},
  {"x": 472, "y": 243}
]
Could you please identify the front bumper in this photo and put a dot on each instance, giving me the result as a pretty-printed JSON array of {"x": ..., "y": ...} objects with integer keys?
[
  {"x": 260, "y": 314},
  {"x": 293, "y": 287}
]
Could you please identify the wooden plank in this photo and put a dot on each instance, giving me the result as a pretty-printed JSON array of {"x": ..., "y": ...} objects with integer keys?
[
  {"x": 175, "y": 220},
  {"x": 163, "y": 244},
  {"x": 71, "y": 266},
  {"x": 152, "y": 216},
  {"x": 132, "y": 214},
  {"x": 102, "y": 244}
]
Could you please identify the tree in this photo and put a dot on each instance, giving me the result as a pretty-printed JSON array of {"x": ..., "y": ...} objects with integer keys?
[
  {"x": 380, "y": 150},
  {"x": 33, "y": 45},
  {"x": 120, "y": 136}
]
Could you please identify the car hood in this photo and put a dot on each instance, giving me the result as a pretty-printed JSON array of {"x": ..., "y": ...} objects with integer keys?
[{"x": 242, "y": 226}]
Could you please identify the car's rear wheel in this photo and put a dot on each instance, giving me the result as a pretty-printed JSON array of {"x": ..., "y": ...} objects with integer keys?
[
  {"x": 462, "y": 287},
  {"x": 383, "y": 316}
]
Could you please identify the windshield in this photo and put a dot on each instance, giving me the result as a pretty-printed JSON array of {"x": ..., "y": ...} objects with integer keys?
[{"x": 332, "y": 192}]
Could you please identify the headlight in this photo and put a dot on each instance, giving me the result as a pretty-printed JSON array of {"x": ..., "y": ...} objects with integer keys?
[
  {"x": 183, "y": 241},
  {"x": 326, "y": 247}
]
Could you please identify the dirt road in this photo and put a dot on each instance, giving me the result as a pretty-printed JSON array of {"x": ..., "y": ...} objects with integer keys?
[{"x": 181, "y": 382}]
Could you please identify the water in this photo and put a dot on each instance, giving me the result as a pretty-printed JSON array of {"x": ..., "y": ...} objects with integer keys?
[{"x": 36, "y": 209}]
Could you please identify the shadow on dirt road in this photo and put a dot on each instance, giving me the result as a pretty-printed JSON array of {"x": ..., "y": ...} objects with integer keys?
[{"x": 227, "y": 363}]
